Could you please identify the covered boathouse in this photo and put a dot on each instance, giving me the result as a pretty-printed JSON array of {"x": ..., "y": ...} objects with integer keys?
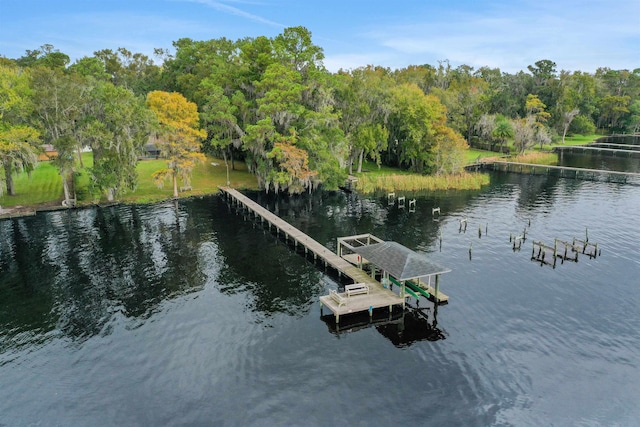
[{"x": 395, "y": 272}]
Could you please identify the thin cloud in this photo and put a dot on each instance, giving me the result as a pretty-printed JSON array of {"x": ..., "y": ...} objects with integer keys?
[{"x": 237, "y": 12}]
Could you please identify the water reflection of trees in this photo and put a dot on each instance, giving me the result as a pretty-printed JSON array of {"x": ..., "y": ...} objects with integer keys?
[
  {"x": 255, "y": 262},
  {"x": 606, "y": 161},
  {"x": 26, "y": 298},
  {"x": 327, "y": 216},
  {"x": 73, "y": 270}
]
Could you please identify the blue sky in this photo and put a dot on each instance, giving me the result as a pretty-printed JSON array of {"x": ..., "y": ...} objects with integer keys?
[{"x": 509, "y": 34}]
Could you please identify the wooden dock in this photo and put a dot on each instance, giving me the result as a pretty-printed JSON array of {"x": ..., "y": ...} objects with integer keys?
[
  {"x": 563, "y": 171},
  {"x": 378, "y": 296},
  {"x": 629, "y": 151},
  {"x": 613, "y": 146}
]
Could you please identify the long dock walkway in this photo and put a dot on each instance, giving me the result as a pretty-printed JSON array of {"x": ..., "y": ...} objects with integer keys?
[
  {"x": 613, "y": 146},
  {"x": 518, "y": 167},
  {"x": 629, "y": 151},
  {"x": 378, "y": 295}
]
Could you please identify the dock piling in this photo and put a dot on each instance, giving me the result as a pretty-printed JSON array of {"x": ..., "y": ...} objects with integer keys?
[{"x": 391, "y": 198}]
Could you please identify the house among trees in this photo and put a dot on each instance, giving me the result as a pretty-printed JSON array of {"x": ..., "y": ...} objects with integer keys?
[
  {"x": 49, "y": 152},
  {"x": 151, "y": 151}
]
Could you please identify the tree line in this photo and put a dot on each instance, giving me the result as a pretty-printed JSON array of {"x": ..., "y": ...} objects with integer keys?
[{"x": 271, "y": 103}]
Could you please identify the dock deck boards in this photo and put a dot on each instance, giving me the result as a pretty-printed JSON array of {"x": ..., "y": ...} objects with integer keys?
[
  {"x": 377, "y": 297},
  {"x": 441, "y": 298}
]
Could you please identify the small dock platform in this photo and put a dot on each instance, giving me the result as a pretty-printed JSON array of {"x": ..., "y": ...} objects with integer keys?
[{"x": 377, "y": 297}]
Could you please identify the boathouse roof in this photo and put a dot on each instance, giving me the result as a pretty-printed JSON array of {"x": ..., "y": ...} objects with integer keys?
[{"x": 399, "y": 261}]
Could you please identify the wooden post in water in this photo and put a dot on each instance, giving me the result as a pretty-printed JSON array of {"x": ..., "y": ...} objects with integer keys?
[{"x": 533, "y": 250}]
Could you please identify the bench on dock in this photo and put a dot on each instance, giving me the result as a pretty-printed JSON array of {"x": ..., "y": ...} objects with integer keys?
[
  {"x": 334, "y": 295},
  {"x": 356, "y": 289}
]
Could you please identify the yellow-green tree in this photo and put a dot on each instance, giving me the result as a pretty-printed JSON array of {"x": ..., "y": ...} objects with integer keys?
[
  {"x": 178, "y": 138},
  {"x": 536, "y": 108}
]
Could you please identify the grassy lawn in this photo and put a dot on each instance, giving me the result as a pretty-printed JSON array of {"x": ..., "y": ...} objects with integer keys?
[
  {"x": 206, "y": 179},
  {"x": 569, "y": 140},
  {"x": 472, "y": 155},
  {"x": 45, "y": 184},
  {"x": 579, "y": 139},
  {"x": 371, "y": 168}
]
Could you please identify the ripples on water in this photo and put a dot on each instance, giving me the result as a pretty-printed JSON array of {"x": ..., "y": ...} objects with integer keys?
[{"x": 188, "y": 314}]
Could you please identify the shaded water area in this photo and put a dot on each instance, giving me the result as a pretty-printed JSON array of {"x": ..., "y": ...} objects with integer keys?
[
  {"x": 620, "y": 156},
  {"x": 605, "y": 160},
  {"x": 188, "y": 314}
]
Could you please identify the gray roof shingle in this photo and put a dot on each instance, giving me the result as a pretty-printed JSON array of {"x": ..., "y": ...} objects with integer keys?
[{"x": 399, "y": 261}]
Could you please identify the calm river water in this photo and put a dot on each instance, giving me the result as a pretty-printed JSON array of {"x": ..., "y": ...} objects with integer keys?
[{"x": 190, "y": 315}]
